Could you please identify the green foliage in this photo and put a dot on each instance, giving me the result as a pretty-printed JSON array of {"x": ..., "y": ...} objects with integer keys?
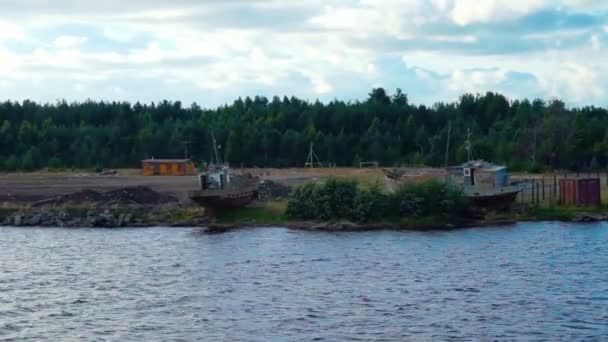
[
  {"x": 370, "y": 204},
  {"x": 552, "y": 214},
  {"x": 273, "y": 213},
  {"x": 528, "y": 135},
  {"x": 344, "y": 199},
  {"x": 429, "y": 198},
  {"x": 11, "y": 163},
  {"x": 55, "y": 163}
]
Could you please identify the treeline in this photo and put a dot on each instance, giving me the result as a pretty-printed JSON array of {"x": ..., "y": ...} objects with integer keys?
[
  {"x": 345, "y": 200},
  {"x": 277, "y": 132}
]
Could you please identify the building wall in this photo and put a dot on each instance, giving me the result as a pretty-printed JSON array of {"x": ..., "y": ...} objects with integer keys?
[{"x": 168, "y": 169}]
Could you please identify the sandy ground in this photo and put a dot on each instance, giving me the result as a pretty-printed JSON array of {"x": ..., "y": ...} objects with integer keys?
[
  {"x": 36, "y": 186},
  {"x": 18, "y": 188}
]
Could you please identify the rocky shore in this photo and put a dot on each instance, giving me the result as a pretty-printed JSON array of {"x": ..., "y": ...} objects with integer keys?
[
  {"x": 172, "y": 216},
  {"x": 107, "y": 218},
  {"x": 124, "y": 207},
  {"x": 64, "y": 219},
  {"x": 346, "y": 226}
]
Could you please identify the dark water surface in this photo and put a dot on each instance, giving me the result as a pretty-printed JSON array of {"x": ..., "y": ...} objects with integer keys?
[{"x": 541, "y": 281}]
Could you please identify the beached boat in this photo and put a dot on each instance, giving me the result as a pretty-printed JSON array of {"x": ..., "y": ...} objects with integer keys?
[
  {"x": 485, "y": 184},
  {"x": 219, "y": 189}
]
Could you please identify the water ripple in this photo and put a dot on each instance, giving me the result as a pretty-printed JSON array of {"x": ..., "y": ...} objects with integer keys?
[{"x": 542, "y": 281}]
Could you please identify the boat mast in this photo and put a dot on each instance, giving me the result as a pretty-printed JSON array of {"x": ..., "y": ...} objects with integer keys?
[
  {"x": 215, "y": 149},
  {"x": 468, "y": 145},
  {"x": 447, "y": 148}
]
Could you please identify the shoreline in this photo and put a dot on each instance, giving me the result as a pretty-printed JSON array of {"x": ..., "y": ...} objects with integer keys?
[
  {"x": 356, "y": 227},
  {"x": 194, "y": 217},
  {"x": 103, "y": 221}
]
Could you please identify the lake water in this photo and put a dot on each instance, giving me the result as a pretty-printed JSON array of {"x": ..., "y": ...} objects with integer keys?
[{"x": 540, "y": 281}]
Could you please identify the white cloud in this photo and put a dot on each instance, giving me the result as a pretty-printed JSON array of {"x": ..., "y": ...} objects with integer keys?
[
  {"x": 474, "y": 81},
  {"x": 321, "y": 86},
  {"x": 577, "y": 82},
  {"x": 10, "y": 31},
  {"x": 465, "y": 12},
  {"x": 119, "y": 33},
  {"x": 79, "y": 87},
  {"x": 585, "y": 4},
  {"x": 69, "y": 41},
  {"x": 152, "y": 53},
  {"x": 324, "y": 49},
  {"x": 595, "y": 42}
]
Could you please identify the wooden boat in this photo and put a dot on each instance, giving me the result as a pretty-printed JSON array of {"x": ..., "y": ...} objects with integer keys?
[
  {"x": 485, "y": 184},
  {"x": 221, "y": 190}
]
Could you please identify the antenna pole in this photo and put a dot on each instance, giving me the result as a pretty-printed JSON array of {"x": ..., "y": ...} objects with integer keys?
[
  {"x": 215, "y": 151},
  {"x": 186, "y": 148},
  {"x": 468, "y": 144},
  {"x": 447, "y": 148},
  {"x": 312, "y": 156}
]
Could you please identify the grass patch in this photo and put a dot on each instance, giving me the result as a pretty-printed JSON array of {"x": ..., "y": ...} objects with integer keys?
[
  {"x": 553, "y": 214},
  {"x": 424, "y": 221},
  {"x": 6, "y": 212},
  {"x": 272, "y": 213},
  {"x": 177, "y": 214}
]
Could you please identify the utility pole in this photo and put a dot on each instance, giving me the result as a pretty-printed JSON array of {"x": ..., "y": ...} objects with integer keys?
[
  {"x": 447, "y": 148},
  {"x": 468, "y": 145},
  {"x": 312, "y": 156},
  {"x": 215, "y": 149},
  {"x": 187, "y": 144}
]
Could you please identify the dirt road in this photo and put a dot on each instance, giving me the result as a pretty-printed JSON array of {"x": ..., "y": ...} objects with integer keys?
[{"x": 19, "y": 188}]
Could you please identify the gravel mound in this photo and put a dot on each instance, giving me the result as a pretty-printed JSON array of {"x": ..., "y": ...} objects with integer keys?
[
  {"x": 268, "y": 189},
  {"x": 139, "y": 195}
]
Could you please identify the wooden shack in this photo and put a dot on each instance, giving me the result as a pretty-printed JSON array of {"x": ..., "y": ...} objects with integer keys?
[
  {"x": 580, "y": 191},
  {"x": 168, "y": 167}
]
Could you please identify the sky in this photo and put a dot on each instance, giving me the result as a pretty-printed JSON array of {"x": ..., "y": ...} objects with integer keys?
[{"x": 213, "y": 51}]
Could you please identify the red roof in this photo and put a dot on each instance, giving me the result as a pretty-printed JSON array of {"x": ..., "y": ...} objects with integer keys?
[{"x": 166, "y": 161}]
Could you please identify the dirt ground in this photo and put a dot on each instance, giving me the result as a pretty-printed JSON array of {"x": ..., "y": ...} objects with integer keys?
[{"x": 18, "y": 188}]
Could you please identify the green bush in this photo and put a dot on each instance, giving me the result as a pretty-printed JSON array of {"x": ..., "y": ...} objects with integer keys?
[
  {"x": 11, "y": 164},
  {"x": 370, "y": 205},
  {"x": 344, "y": 199},
  {"x": 302, "y": 203},
  {"x": 430, "y": 198}
]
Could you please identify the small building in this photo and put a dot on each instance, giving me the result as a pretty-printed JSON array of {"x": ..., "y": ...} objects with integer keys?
[
  {"x": 580, "y": 191},
  {"x": 168, "y": 167}
]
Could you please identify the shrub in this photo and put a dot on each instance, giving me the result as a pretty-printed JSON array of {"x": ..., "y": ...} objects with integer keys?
[
  {"x": 333, "y": 200},
  {"x": 344, "y": 199},
  {"x": 371, "y": 204},
  {"x": 429, "y": 198},
  {"x": 302, "y": 203}
]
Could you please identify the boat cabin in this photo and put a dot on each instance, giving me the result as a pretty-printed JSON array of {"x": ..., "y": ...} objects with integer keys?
[
  {"x": 479, "y": 174},
  {"x": 215, "y": 178}
]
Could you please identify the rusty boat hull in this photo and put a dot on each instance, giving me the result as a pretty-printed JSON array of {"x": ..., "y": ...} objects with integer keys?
[
  {"x": 224, "y": 199},
  {"x": 491, "y": 200}
]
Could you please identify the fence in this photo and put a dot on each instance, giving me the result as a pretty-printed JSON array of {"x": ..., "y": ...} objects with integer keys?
[{"x": 544, "y": 190}]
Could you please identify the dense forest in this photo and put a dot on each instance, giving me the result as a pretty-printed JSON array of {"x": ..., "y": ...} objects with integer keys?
[{"x": 526, "y": 135}]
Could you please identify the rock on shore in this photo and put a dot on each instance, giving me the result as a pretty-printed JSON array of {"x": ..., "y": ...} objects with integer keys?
[
  {"x": 64, "y": 219},
  {"x": 85, "y": 218}
]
